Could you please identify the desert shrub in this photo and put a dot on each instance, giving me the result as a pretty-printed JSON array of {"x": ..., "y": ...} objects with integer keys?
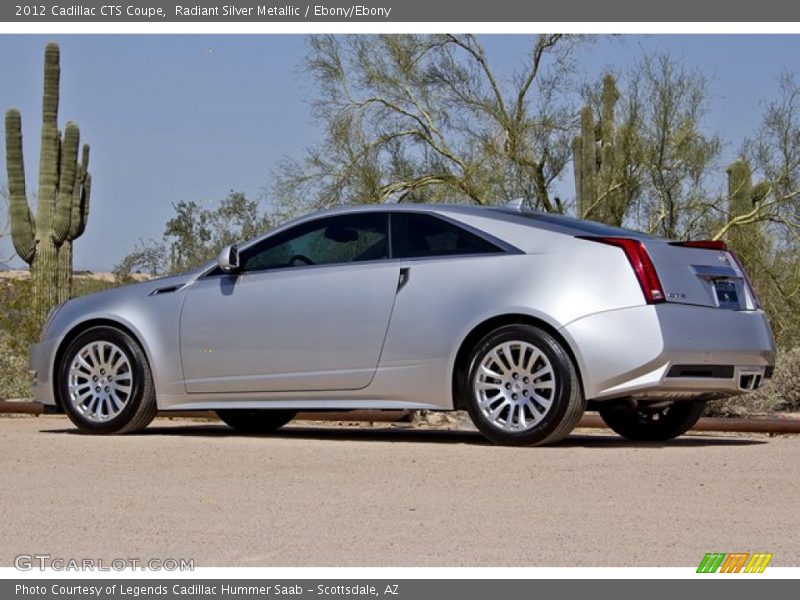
[
  {"x": 782, "y": 393},
  {"x": 18, "y": 330},
  {"x": 14, "y": 380},
  {"x": 17, "y": 321},
  {"x": 84, "y": 285}
]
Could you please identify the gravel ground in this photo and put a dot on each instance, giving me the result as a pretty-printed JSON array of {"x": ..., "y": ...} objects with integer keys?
[{"x": 391, "y": 495}]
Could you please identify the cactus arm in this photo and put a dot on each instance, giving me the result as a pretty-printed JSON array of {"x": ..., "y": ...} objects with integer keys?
[
  {"x": 577, "y": 155},
  {"x": 608, "y": 101},
  {"x": 23, "y": 229},
  {"x": 80, "y": 197},
  {"x": 85, "y": 158},
  {"x": 66, "y": 185},
  {"x": 52, "y": 74},
  {"x": 605, "y": 174},
  {"x": 760, "y": 192},
  {"x": 85, "y": 194},
  {"x": 740, "y": 188},
  {"x": 588, "y": 161}
]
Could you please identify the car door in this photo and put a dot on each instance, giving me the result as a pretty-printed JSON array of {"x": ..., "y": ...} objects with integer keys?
[
  {"x": 307, "y": 310},
  {"x": 451, "y": 275}
]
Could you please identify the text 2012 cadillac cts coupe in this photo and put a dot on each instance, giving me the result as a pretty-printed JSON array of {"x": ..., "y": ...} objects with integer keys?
[{"x": 521, "y": 318}]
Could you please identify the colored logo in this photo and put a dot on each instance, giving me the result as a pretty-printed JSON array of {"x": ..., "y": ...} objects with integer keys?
[{"x": 737, "y": 562}]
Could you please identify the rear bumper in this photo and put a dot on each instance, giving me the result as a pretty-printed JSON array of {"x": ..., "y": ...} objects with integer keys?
[{"x": 672, "y": 351}]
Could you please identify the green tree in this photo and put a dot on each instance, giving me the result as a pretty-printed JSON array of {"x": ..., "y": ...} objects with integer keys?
[
  {"x": 644, "y": 158},
  {"x": 668, "y": 102},
  {"x": 774, "y": 211},
  {"x": 428, "y": 118},
  {"x": 195, "y": 235}
]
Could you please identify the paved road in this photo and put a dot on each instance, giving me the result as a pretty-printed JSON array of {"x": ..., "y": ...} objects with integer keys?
[{"x": 318, "y": 496}]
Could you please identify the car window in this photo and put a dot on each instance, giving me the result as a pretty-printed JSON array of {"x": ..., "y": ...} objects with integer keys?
[
  {"x": 341, "y": 239},
  {"x": 417, "y": 235}
]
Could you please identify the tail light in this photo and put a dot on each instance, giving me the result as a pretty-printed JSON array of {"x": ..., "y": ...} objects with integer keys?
[
  {"x": 723, "y": 247},
  {"x": 640, "y": 262}
]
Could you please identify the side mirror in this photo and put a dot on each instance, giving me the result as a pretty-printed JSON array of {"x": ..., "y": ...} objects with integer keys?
[{"x": 228, "y": 259}]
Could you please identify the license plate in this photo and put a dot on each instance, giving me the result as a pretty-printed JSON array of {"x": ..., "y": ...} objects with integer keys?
[{"x": 726, "y": 294}]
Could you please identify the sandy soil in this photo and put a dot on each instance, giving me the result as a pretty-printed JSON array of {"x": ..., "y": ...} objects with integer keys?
[{"x": 391, "y": 495}]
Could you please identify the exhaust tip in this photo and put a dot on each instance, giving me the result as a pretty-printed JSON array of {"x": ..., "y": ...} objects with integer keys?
[{"x": 750, "y": 381}]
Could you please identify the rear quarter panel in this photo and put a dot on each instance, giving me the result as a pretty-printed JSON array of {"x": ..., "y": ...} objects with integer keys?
[{"x": 561, "y": 280}]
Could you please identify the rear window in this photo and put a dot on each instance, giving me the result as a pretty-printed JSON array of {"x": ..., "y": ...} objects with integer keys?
[{"x": 417, "y": 235}]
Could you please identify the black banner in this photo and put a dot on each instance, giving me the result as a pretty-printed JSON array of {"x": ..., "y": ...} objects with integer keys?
[
  {"x": 50, "y": 11},
  {"x": 386, "y": 589}
]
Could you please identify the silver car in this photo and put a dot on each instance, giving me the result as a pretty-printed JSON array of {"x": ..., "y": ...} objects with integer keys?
[{"x": 523, "y": 319}]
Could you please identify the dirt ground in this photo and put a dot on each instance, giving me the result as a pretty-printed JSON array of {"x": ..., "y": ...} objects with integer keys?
[{"x": 391, "y": 495}]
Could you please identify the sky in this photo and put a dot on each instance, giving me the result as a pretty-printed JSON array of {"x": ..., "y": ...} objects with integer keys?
[{"x": 191, "y": 117}]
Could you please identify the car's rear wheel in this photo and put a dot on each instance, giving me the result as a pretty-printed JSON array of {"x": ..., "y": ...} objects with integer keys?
[
  {"x": 653, "y": 424},
  {"x": 256, "y": 421},
  {"x": 105, "y": 384},
  {"x": 522, "y": 387}
]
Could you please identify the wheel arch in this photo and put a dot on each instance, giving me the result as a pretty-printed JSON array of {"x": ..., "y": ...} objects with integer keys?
[
  {"x": 77, "y": 330},
  {"x": 484, "y": 328}
]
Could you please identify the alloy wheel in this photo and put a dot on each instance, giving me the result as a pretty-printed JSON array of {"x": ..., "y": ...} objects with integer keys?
[
  {"x": 100, "y": 381},
  {"x": 515, "y": 385}
]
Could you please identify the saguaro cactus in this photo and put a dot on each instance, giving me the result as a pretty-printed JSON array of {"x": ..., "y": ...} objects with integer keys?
[
  {"x": 599, "y": 162},
  {"x": 746, "y": 236},
  {"x": 63, "y": 196}
]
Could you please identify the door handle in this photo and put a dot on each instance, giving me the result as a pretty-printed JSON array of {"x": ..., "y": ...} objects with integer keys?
[{"x": 403, "y": 279}]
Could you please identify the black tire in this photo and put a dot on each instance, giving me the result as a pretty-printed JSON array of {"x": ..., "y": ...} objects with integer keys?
[
  {"x": 256, "y": 421},
  {"x": 139, "y": 407},
  {"x": 651, "y": 425},
  {"x": 567, "y": 402}
]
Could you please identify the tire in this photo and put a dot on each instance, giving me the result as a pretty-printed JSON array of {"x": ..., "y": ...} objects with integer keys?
[
  {"x": 105, "y": 384},
  {"x": 653, "y": 425},
  {"x": 510, "y": 407},
  {"x": 256, "y": 421}
]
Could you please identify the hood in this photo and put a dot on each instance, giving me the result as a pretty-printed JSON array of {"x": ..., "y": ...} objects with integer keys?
[{"x": 138, "y": 289}]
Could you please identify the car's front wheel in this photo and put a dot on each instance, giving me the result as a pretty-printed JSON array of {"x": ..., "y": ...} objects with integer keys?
[
  {"x": 522, "y": 387},
  {"x": 105, "y": 384},
  {"x": 256, "y": 421},
  {"x": 653, "y": 424}
]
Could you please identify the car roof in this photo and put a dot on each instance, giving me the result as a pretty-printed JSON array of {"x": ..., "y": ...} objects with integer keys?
[
  {"x": 531, "y": 218},
  {"x": 411, "y": 207},
  {"x": 548, "y": 221}
]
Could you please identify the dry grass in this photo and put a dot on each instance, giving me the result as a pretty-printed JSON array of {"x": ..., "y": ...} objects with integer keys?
[{"x": 14, "y": 380}]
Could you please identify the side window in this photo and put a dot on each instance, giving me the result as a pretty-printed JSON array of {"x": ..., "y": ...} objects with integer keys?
[
  {"x": 341, "y": 239},
  {"x": 417, "y": 235}
]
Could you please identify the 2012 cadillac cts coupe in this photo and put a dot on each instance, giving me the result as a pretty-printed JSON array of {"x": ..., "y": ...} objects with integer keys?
[{"x": 521, "y": 318}]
